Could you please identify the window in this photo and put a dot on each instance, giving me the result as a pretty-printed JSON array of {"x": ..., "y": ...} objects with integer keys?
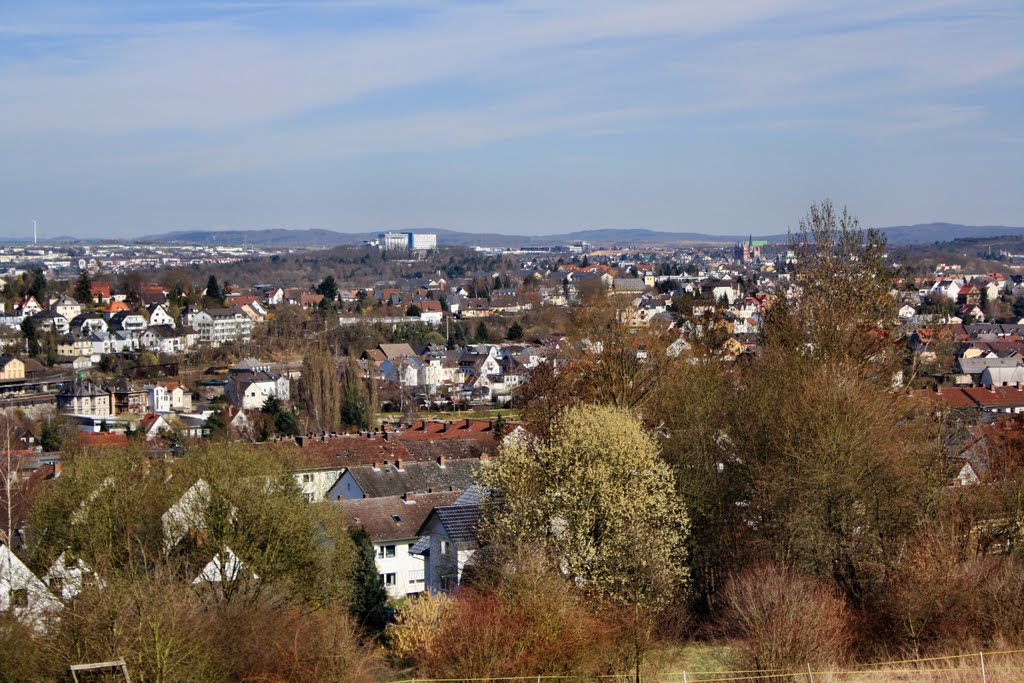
[
  {"x": 19, "y": 597},
  {"x": 306, "y": 478},
  {"x": 309, "y": 497},
  {"x": 445, "y": 547},
  {"x": 389, "y": 551},
  {"x": 389, "y": 579}
]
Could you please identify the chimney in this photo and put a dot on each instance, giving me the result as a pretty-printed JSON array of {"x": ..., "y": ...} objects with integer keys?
[
  {"x": 467, "y": 423},
  {"x": 57, "y": 467},
  {"x": 398, "y": 464},
  {"x": 376, "y": 465},
  {"x": 444, "y": 427},
  {"x": 442, "y": 461},
  {"x": 485, "y": 456}
]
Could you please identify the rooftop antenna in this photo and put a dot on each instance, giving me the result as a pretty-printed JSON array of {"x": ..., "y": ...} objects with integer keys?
[{"x": 35, "y": 232}]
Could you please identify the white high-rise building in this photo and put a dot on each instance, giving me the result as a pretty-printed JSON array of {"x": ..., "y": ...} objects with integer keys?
[
  {"x": 393, "y": 240},
  {"x": 422, "y": 240}
]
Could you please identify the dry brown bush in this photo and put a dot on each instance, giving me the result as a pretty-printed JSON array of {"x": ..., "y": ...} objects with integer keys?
[
  {"x": 941, "y": 601},
  {"x": 272, "y": 643},
  {"x": 533, "y": 624},
  {"x": 784, "y": 620}
]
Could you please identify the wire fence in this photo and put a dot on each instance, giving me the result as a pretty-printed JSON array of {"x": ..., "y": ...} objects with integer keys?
[{"x": 984, "y": 667}]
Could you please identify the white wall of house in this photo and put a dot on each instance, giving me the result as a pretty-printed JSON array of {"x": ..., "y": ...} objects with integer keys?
[
  {"x": 446, "y": 560},
  {"x": 401, "y": 572},
  {"x": 22, "y": 592},
  {"x": 316, "y": 485},
  {"x": 345, "y": 488}
]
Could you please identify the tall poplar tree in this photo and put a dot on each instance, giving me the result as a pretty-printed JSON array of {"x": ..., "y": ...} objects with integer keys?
[{"x": 321, "y": 390}]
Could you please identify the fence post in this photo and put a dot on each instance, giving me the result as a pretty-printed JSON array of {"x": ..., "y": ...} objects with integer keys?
[
  {"x": 984, "y": 676},
  {"x": 685, "y": 680},
  {"x": 810, "y": 674}
]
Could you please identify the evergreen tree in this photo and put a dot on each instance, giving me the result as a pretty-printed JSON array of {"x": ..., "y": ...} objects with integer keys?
[
  {"x": 28, "y": 328},
  {"x": 515, "y": 331},
  {"x": 213, "y": 290},
  {"x": 285, "y": 423},
  {"x": 369, "y": 597},
  {"x": 37, "y": 286},
  {"x": 483, "y": 335},
  {"x": 328, "y": 288},
  {"x": 83, "y": 288}
]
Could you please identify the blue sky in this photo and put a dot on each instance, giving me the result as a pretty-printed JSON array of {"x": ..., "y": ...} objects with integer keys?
[{"x": 530, "y": 117}]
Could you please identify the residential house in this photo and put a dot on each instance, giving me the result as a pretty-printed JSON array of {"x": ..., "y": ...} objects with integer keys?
[
  {"x": 448, "y": 541},
  {"x": 158, "y": 400},
  {"x": 51, "y": 321},
  {"x": 11, "y": 368},
  {"x": 67, "y": 307},
  {"x": 249, "y": 390},
  {"x": 84, "y": 397},
  {"x": 22, "y": 593},
  {"x": 152, "y": 425},
  {"x": 129, "y": 321},
  {"x": 28, "y": 306},
  {"x": 223, "y": 568},
  {"x": 128, "y": 398},
  {"x": 181, "y": 397},
  {"x": 85, "y": 323},
  {"x": 158, "y": 316},
  {"x": 73, "y": 347},
  {"x": 67, "y": 576},
  {"x": 163, "y": 339},
  {"x": 394, "y": 478},
  {"x": 393, "y": 524}
]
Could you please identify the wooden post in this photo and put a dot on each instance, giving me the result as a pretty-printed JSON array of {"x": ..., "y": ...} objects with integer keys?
[{"x": 984, "y": 676}]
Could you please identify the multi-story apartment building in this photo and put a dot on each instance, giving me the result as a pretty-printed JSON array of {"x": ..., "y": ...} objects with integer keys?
[{"x": 218, "y": 325}]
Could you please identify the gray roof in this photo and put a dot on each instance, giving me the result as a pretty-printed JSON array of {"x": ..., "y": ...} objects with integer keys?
[
  {"x": 976, "y": 366},
  {"x": 1003, "y": 376},
  {"x": 459, "y": 521},
  {"x": 420, "y": 477}
]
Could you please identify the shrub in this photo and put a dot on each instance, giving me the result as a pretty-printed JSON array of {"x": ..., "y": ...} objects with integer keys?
[
  {"x": 534, "y": 623},
  {"x": 784, "y": 620}
]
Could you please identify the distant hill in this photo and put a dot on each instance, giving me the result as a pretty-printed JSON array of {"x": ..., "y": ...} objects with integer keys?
[{"x": 625, "y": 237}]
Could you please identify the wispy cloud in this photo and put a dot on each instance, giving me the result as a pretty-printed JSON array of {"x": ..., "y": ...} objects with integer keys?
[{"x": 218, "y": 88}]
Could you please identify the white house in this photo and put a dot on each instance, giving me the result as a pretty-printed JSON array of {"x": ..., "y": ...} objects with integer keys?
[
  {"x": 22, "y": 593},
  {"x": 158, "y": 400},
  {"x": 249, "y": 390},
  {"x": 393, "y": 525},
  {"x": 316, "y": 482},
  {"x": 67, "y": 307},
  {"x": 67, "y": 578},
  {"x": 448, "y": 541},
  {"x": 224, "y": 567},
  {"x": 186, "y": 514},
  {"x": 158, "y": 316},
  {"x": 162, "y": 339}
]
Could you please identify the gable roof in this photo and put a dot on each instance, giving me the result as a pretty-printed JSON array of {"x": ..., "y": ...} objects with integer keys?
[
  {"x": 388, "y": 480},
  {"x": 459, "y": 521},
  {"x": 395, "y": 518}
]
